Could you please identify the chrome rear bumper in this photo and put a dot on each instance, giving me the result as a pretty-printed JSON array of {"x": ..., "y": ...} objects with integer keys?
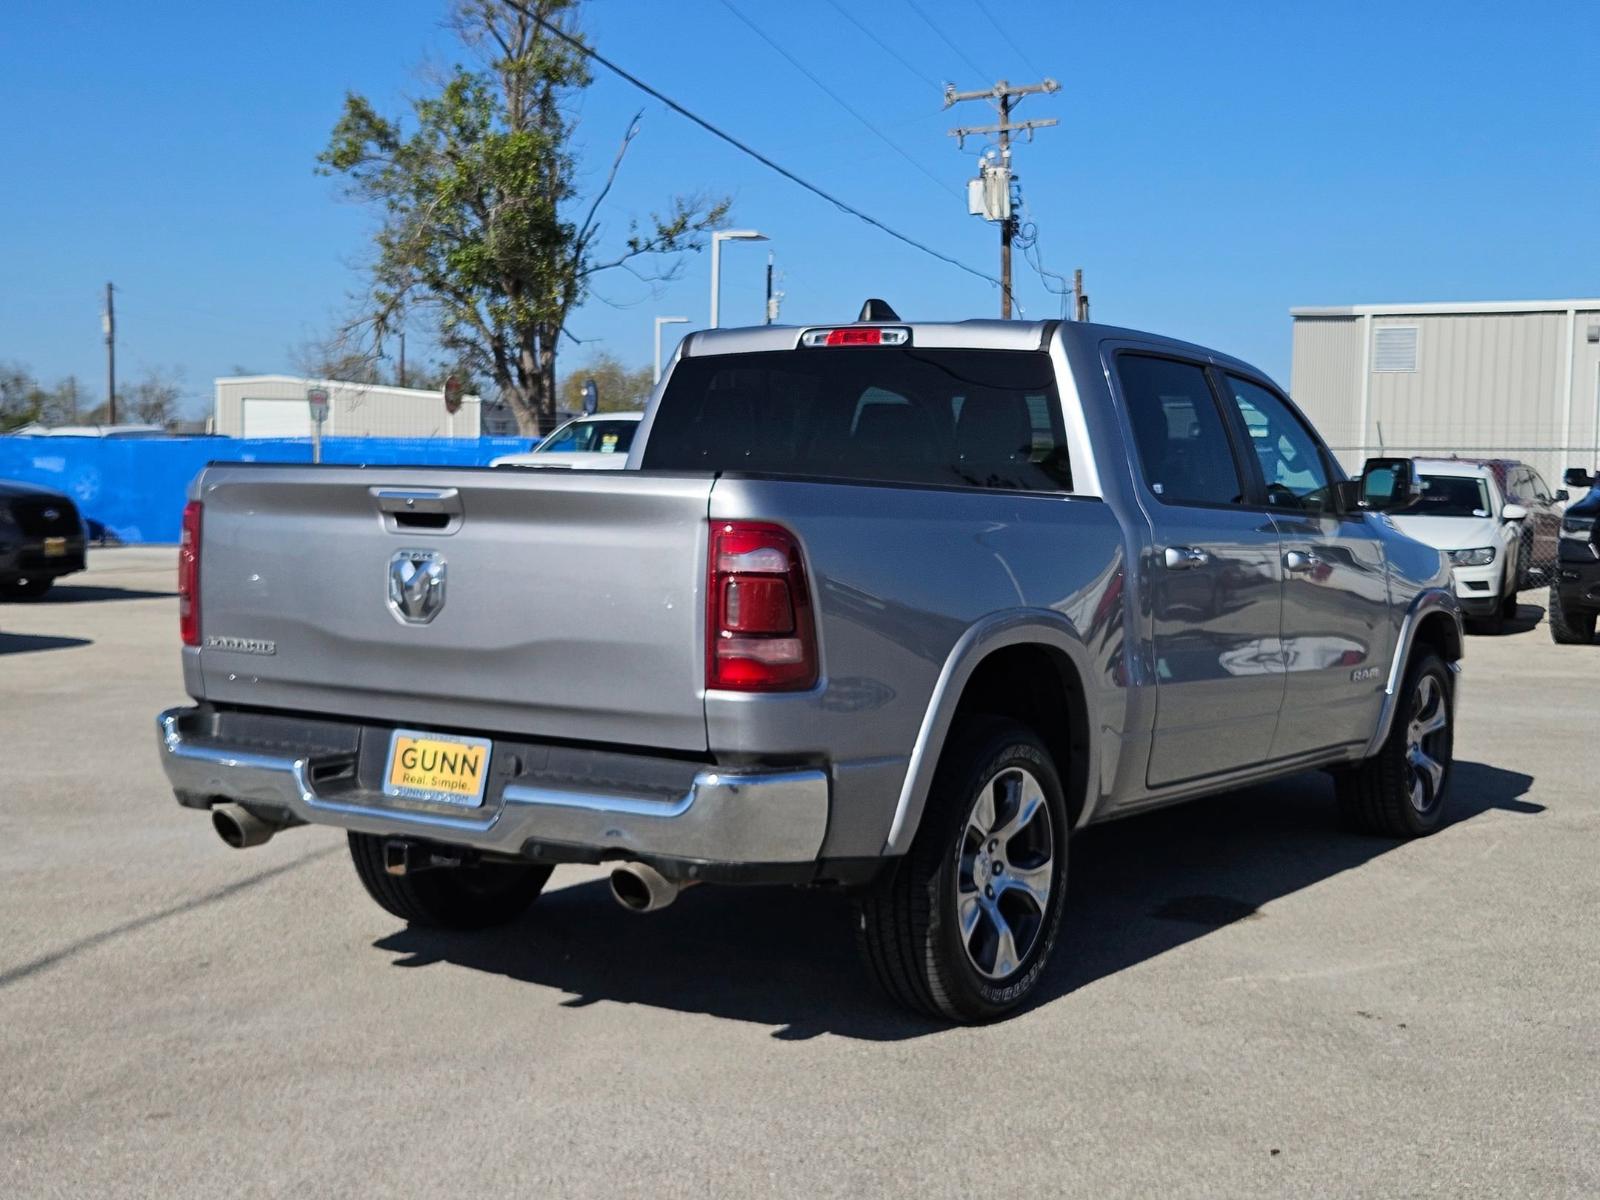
[{"x": 769, "y": 817}]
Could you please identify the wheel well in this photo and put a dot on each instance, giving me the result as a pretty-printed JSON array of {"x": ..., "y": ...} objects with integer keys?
[
  {"x": 1039, "y": 687},
  {"x": 1440, "y": 634}
]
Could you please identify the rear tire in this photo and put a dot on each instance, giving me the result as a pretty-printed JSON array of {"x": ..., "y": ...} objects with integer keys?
[
  {"x": 1569, "y": 628},
  {"x": 468, "y": 897},
  {"x": 1401, "y": 791},
  {"x": 28, "y": 587},
  {"x": 965, "y": 925}
]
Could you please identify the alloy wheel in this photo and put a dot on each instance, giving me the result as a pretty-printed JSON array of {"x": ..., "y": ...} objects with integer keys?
[{"x": 1005, "y": 869}]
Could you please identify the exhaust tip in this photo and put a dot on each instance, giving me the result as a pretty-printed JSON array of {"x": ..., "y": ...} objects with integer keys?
[
  {"x": 239, "y": 827},
  {"x": 642, "y": 889},
  {"x": 630, "y": 891}
]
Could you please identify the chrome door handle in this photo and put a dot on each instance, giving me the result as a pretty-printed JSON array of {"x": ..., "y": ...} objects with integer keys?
[
  {"x": 1181, "y": 558},
  {"x": 1300, "y": 561}
]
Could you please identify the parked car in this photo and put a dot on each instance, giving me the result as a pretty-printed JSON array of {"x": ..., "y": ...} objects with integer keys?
[
  {"x": 598, "y": 442},
  {"x": 41, "y": 539},
  {"x": 1575, "y": 590},
  {"x": 1457, "y": 506},
  {"x": 1523, "y": 486},
  {"x": 891, "y": 607}
]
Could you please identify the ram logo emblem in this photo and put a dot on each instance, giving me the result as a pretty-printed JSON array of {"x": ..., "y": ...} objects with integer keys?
[{"x": 416, "y": 585}]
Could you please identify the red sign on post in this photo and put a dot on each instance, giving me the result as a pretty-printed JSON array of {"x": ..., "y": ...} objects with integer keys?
[
  {"x": 452, "y": 395},
  {"x": 317, "y": 398}
]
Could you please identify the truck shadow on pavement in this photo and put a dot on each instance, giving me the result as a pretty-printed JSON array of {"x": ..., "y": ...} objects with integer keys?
[
  {"x": 778, "y": 956},
  {"x": 27, "y": 643},
  {"x": 81, "y": 593}
]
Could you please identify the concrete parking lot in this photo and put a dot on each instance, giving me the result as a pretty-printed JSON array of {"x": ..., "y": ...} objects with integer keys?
[{"x": 1247, "y": 1002}]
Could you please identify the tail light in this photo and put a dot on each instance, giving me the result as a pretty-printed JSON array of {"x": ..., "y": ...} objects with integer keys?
[
  {"x": 189, "y": 575},
  {"x": 760, "y": 631}
]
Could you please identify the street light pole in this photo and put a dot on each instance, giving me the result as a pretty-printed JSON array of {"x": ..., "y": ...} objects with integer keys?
[
  {"x": 660, "y": 321},
  {"x": 717, "y": 238}
]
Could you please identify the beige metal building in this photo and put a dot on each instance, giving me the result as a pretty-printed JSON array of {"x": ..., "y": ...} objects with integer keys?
[
  {"x": 274, "y": 406},
  {"x": 1519, "y": 379}
]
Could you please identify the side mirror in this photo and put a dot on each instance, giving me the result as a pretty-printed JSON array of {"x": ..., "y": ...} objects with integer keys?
[
  {"x": 1387, "y": 483},
  {"x": 1513, "y": 512},
  {"x": 1577, "y": 477},
  {"x": 1561, "y": 494}
]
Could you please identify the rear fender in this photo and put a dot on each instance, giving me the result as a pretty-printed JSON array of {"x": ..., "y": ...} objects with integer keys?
[{"x": 1022, "y": 627}]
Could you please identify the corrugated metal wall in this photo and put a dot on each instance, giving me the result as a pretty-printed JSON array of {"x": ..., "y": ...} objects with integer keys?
[
  {"x": 1325, "y": 377},
  {"x": 354, "y": 410},
  {"x": 1485, "y": 385}
]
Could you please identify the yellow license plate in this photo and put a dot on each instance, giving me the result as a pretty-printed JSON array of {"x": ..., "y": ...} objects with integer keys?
[
  {"x": 55, "y": 547},
  {"x": 437, "y": 769}
]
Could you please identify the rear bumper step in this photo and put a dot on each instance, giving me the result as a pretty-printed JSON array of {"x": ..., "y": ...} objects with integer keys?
[{"x": 722, "y": 817}]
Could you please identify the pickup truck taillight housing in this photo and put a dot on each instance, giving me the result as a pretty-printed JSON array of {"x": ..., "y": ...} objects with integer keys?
[
  {"x": 761, "y": 633},
  {"x": 189, "y": 575}
]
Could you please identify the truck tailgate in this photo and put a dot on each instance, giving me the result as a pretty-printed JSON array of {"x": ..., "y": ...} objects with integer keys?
[{"x": 571, "y": 601}]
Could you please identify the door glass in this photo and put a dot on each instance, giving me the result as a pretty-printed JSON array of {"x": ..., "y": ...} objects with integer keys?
[
  {"x": 1183, "y": 445},
  {"x": 1541, "y": 489},
  {"x": 1291, "y": 462}
]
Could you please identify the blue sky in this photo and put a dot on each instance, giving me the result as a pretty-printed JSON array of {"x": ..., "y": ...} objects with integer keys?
[{"x": 1215, "y": 163}]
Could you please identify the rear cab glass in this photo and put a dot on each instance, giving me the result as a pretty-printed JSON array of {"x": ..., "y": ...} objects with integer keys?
[{"x": 942, "y": 417}]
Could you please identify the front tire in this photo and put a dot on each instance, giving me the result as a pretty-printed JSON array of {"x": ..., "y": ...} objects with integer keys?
[
  {"x": 1401, "y": 790},
  {"x": 466, "y": 897},
  {"x": 964, "y": 927},
  {"x": 1569, "y": 628},
  {"x": 27, "y": 587}
]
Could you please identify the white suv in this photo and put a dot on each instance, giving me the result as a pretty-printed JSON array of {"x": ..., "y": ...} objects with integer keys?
[{"x": 1459, "y": 508}]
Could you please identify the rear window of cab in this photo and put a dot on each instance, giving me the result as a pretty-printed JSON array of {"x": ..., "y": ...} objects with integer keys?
[{"x": 950, "y": 418}]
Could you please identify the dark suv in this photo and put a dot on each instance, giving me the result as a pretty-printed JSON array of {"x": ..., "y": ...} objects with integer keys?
[
  {"x": 1575, "y": 589},
  {"x": 41, "y": 539}
]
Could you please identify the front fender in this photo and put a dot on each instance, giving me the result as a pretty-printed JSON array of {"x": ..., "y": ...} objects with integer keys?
[
  {"x": 1431, "y": 603},
  {"x": 1018, "y": 627}
]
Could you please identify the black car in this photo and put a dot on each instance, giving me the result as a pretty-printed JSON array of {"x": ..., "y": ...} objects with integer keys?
[
  {"x": 1575, "y": 590},
  {"x": 41, "y": 539}
]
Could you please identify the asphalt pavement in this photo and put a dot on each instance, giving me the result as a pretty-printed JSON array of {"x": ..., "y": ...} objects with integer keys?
[{"x": 1247, "y": 1002}]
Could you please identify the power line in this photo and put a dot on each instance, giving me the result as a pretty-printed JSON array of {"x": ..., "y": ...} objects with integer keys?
[
  {"x": 1001, "y": 30},
  {"x": 596, "y": 56},
  {"x": 928, "y": 21},
  {"x": 837, "y": 99},
  {"x": 844, "y": 12}
]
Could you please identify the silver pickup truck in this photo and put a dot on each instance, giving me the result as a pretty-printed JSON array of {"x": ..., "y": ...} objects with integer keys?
[{"x": 892, "y": 607}]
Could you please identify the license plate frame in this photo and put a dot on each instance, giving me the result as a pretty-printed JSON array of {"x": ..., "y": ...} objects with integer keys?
[{"x": 434, "y": 785}]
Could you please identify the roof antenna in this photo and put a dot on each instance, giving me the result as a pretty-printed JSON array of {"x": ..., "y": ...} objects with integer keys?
[{"x": 877, "y": 310}]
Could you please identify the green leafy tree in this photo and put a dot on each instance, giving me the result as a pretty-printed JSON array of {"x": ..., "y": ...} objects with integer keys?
[
  {"x": 483, "y": 223},
  {"x": 620, "y": 387}
]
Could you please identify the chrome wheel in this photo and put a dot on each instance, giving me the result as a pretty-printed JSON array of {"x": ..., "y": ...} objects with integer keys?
[
  {"x": 1005, "y": 868},
  {"x": 1426, "y": 735}
]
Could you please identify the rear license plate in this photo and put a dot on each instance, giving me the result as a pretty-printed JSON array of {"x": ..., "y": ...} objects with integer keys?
[
  {"x": 55, "y": 547},
  {"x": 436, "y": 768}
]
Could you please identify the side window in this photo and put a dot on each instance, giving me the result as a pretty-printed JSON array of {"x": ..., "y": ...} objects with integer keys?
[
  {"x": 1291, "y": 462},
  {"x": 1182, "y": 443},
  {"x": 1541, "y": 489},
  {"x": 562, "y": 440}
]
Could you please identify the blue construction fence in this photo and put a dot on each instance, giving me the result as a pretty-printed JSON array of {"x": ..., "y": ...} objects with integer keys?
[{"x": 132, "y": 489}]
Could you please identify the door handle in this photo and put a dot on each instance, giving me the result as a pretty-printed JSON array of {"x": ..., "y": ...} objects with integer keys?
[
  {"x": 1181, "y": 558},
  {"x": 1301, "y": 561}
]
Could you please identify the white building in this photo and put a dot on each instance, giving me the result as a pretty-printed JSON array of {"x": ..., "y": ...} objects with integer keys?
[
  {"x": 1517, "y": 379},
  {"x": 274, "y": 406}
]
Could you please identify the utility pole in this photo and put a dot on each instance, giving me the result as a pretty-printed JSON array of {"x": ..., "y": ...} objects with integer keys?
[
  {"x": 402, "y": 356},
  {"x": 774, "y": 299},
  {"x": 995, "y": 183},
  {"x": 108, "y": 322}
]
